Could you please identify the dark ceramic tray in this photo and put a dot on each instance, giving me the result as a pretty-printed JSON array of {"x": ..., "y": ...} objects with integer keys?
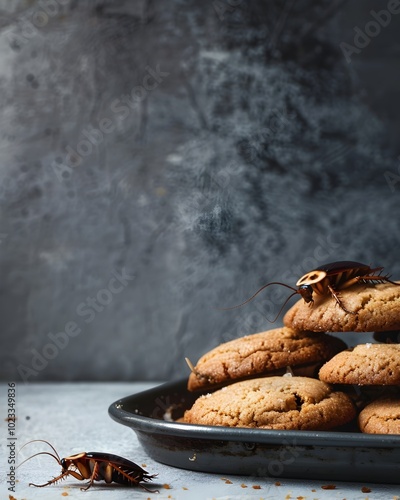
[{"x": 340, "y": 455}]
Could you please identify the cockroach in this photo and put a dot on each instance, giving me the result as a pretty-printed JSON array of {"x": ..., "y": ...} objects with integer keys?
[
  {"x": 95, "y": 466},
  {"x": 329, "y": 279}
]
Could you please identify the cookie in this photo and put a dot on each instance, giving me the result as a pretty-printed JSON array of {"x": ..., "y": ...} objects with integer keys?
[
  {"x": 273, "y": 403},
  {"x": 262, "y": 353},
  {"x": 381, "y": 417},
  {"x": 375, "y": 307},
  {"x": 366, "y": 364}
]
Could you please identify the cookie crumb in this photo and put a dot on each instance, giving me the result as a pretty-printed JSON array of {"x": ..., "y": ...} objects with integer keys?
[
  {"x": 328, "y": 487},
  {"x": 256, "y": 487},
  {"x": 289, "y": 371},
  {"x": 227, "y": 481},
  {"x": 365, "y": 489},
  {"x": 166, "y": 486},
  {"x": 243, "y": 485},
  {"x": 277, "y": 483},
  {"x": 64, "y": 494}
]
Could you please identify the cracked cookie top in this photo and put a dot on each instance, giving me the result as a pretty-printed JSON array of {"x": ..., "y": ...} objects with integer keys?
[
  {"x": 300, "y": 403},
  {"x": 374, "y": 308},
  {"x": 381, "y": 416},
  {"x": 366, "y": 364},
  {"x": 263, "y": 353}
]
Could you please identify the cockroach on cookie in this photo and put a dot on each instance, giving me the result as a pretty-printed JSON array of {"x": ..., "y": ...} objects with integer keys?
[
  {"x": 329, "y": 279},
  {"x": 95, "y": 466}
]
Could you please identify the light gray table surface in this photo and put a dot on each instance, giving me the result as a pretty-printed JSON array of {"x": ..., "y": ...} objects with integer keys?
[{"x": 74, "y": 418}]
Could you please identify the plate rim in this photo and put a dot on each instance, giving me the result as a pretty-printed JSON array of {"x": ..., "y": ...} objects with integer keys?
[{"x": 144, "y": 424}]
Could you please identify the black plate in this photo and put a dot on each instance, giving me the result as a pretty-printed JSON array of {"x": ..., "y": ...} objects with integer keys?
[{"x": 346, "y": 456}]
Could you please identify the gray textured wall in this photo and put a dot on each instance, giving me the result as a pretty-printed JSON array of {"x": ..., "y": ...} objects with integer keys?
[{"x": 160, "y": 159}]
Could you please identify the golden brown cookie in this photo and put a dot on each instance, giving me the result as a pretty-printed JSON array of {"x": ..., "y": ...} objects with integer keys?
[
  {"x": 273, "y": 403},
  {"x": 375, "y": 307},
  {"x": 263, "y": 353},
  {"x": 381, "y": 417},
  {"x": 366, "y": 364}
]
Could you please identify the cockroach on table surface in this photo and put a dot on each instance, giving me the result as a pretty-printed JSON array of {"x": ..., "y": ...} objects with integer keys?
[
  {"x": 329, "y": 279},
  {"x": 95, "y": 466}
]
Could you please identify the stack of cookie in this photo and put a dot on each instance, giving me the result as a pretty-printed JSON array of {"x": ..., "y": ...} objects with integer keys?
[
  {"x": 295, "y": 377},
  {"x": 371, "y": 370}
]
